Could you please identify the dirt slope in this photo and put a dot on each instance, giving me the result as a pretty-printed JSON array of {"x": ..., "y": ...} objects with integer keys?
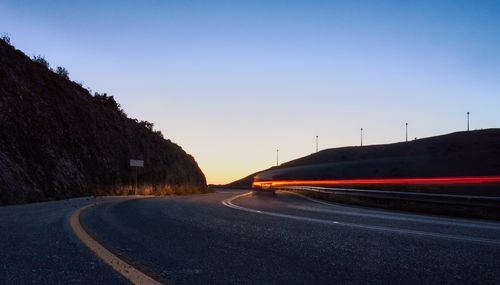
[{"x": 58, "y": 141}]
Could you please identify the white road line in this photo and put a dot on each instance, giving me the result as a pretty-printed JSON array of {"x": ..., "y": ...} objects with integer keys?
[
  {"x": 406, "y": 218},
  {"x": 228, "y": 202}
]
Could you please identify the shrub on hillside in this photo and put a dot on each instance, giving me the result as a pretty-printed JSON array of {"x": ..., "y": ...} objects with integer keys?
[
  {"x": 5, "y": 37},
  {"x": 147, "y": 125},
  {"x": 41, "y": 60},
  {"x": 63, "y": 72},
  {"x": 159, "y": 133},
  {"x": 108, "y": 102}
]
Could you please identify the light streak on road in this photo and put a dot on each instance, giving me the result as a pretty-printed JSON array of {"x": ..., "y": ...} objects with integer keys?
[{"x": 380, "y": 181}]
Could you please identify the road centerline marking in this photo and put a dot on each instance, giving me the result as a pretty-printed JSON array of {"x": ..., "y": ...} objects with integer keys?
[{"x": 126, "y": 270}]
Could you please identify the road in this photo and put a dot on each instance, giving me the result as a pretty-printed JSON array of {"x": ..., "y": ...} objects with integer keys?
[{"x": 231, "y": 237}]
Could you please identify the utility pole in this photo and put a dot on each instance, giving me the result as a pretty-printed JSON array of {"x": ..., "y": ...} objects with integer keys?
[
  {"x": 468, "y": 113},
  {"x": 406, "y": 132},
  {"x": 316, "y": 143},
  {"x": 361, "y": 136},
  {"x": 277, "y": 156}
]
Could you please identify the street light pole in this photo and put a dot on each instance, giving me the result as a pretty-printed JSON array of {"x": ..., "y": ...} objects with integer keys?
[
  {"x": 468, "y": 121},
  {"x": 361, "y": 136},
  {"x": 316, "y": 143},
  {"x": 406, "y": 132},
  {"x": 277, "y": 157}
]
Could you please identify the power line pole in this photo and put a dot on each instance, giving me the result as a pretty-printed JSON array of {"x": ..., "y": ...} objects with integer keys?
[
  {"x": 468, "y": 113},
  {"x": 406, "y": 132},
  {"x": 361, "y": 136},
  {"x": 277, "y": 156},
  {"x": 316, "y": 143}
]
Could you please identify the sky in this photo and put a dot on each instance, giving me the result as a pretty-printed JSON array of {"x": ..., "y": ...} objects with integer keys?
[{"x": 233, "y": 81}]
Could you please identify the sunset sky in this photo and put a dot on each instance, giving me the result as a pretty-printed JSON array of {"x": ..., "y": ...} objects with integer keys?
[{"x": 232, "y": 81}]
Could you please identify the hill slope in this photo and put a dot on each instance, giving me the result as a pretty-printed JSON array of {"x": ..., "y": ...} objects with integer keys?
[
  {"x": 58, "y": 141},
  {"x": 457, "y": 154}
]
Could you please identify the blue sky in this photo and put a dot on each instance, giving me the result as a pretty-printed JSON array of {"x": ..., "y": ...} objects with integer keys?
[{"x": 231, "y": 81}]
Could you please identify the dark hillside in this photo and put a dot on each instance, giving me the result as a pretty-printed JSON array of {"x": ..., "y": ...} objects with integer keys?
[
  {"x": 245, "y": 181},
  {"x": 474, "y": 153},
  {"x": 58, "y": 141},
  {"x": 474, "y": 144}
]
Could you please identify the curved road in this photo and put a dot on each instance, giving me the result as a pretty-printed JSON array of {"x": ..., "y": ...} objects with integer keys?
[{"x": 237, "y": 238}]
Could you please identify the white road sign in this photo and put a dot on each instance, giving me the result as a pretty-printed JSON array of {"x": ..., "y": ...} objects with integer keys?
[{"x": 137, "y": 163}]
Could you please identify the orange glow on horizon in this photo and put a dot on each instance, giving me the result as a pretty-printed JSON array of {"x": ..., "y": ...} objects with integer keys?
[{"x": 393, "y": 181}]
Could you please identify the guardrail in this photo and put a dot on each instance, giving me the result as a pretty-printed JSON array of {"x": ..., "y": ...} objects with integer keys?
[{"x": 398, "y": 195}]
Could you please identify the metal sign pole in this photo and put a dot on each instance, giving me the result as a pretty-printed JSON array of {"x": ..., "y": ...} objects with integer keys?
[
  {"x": 135, "y": 189},
  {"x": 136, "y": 164}
]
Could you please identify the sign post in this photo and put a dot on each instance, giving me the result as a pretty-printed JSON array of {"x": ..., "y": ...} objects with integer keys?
[{"x": 136, "y": 164}]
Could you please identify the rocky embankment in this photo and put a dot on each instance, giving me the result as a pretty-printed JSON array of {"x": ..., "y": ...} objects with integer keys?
[{"x": 57, "y": 140}]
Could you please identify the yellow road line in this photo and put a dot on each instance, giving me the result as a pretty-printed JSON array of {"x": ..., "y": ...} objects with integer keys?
[{"x": 128, "y": 271}]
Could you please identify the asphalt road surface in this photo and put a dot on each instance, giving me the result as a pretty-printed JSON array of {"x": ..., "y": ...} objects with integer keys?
[{"x": 231, "y": 237}]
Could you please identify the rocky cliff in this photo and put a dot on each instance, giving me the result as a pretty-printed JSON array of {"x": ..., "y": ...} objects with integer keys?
[{"x": 57, "y": 140}]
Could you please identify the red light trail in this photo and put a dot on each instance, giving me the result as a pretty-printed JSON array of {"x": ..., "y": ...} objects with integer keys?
[{"x": 382, "y": 181}]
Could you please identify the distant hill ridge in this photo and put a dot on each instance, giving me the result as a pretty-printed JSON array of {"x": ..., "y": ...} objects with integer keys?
[
  {"x": 473, "y": 153},
  {"x": 58, "y": 141}
]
